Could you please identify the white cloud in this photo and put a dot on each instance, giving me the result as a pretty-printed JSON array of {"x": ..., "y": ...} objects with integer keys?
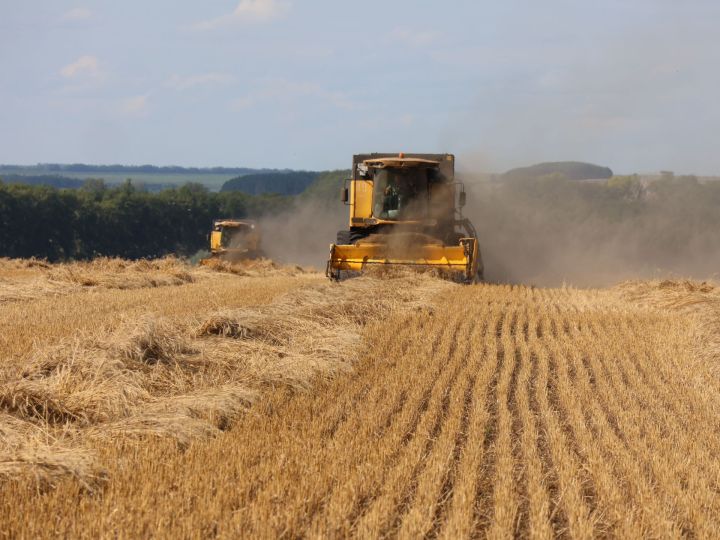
[
  {"x": 202, "y": 79},
  {"x": 248, "y": 11},
  {"x": 283, "y": 91},
  {"x": 414, "y": 38},
  {"x": 85, "y": 65},
  {"x": 77, "y": 14},
  {"x": 134, "y": 106}
]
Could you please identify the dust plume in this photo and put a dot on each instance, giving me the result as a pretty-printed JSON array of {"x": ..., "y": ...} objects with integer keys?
[
  {"x": 551, "y": 230},
  {"x": 303, "y": 234}
]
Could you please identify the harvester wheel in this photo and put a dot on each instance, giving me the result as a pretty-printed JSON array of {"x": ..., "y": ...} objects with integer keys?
[
  {"x": 357, "y": 234},
  {"x": 343, "y": 238},
  {"x": 481, "y": 270}
]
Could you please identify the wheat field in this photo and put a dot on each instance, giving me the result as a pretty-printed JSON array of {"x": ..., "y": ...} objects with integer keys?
[{"x": 156, "y": 399}]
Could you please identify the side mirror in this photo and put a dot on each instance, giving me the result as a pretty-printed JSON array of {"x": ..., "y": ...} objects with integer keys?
[
  {"x": 345, "y": 195},
  {"x": 463, "y": 199}
]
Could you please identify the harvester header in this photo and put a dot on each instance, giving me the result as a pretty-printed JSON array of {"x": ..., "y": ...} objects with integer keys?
[{"x": 406, "y": 210}]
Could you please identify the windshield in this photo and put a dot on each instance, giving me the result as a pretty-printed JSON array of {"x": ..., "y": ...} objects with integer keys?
[
  {"x": 401, "y": 193},
  {"x": 233, "y": 237}
]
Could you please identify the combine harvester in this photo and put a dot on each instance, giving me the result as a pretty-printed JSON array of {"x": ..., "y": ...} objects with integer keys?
[
  {"x": 234, "y": 240},
  {"x": 406, "y": 210}
]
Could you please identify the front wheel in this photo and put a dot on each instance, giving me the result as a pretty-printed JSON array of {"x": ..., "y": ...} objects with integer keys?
[
  {"x": 480, "y": 268},
  {"x": 343, "y": 238}
]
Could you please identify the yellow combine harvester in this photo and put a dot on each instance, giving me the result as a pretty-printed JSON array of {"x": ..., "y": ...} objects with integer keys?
[
  {"x": 234, "y": 240},
  {"x": 406, "y": 210}
]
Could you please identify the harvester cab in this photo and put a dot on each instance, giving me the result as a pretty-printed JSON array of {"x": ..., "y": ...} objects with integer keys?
[
  {"x": 406, "y": 210},
  {"x": 234, "y": 239}
]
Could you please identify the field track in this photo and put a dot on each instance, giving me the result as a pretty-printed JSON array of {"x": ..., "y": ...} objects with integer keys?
[{"x": 491, "y": 411}]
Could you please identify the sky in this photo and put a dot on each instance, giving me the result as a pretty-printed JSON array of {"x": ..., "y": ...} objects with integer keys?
[{"x": 304, "y": 84}]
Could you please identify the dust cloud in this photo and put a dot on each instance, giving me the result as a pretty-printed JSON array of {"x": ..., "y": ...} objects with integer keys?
[
  {"x": 303, "y": 234},
  {"x": 553, "y": 231}
]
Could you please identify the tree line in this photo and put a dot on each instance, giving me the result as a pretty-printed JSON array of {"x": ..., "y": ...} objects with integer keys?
[
  {"x": 284, "y": 183},
  {"x": 527, "y": 227},
  {"x": 124, "y": 221}
]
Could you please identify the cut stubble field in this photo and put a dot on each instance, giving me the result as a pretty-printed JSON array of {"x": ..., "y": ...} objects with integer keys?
[{"x": 270, "y": 403}]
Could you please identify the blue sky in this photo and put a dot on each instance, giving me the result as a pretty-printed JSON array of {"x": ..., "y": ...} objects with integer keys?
[{"x": 631, "y": 84}]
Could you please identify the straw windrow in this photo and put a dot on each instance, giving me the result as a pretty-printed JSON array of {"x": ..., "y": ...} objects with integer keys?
[{"x": 189, "y": 378}]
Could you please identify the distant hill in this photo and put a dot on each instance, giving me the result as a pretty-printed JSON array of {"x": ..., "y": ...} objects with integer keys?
[
  {"x": 151, "y": 177},
  {"x": 57, "y": 168},
  {"x": 282, "y": 183},
  {"x": 64, "y": 182},
  {"x": 573, "y": 170},
  {"x": 53, "y": 180},
  {"x": 326, "y": 187}
]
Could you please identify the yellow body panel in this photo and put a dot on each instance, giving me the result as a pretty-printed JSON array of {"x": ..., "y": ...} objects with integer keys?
[
  {"x": 215, "y": 240},
  {"x": 361, "y": 197}
]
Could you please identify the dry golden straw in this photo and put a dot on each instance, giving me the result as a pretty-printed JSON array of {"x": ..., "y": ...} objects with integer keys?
[{"x": 275, "y": 404}]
